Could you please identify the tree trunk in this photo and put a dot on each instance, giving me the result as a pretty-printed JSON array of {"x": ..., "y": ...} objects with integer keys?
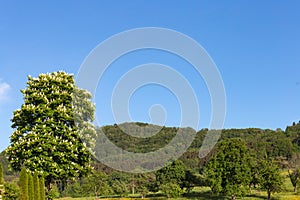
[
  {"x": 295, "y": 188},
  {"x": 269, "y": 194},
  {"x": 96, "y": 193},
  {"x": 132, "y": 189}
]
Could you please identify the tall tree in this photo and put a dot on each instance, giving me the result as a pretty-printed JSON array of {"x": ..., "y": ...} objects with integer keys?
[
  {"x": 30, "y": 187},
  {"x": 42, "y": 188},
  {"x": 23, "y": 184},
  {"x": 46, "y": 139},
  {"x": 229, "y": 172},
  {"x": 36, "y": 187},
  {"x": 270, "y": 178}
]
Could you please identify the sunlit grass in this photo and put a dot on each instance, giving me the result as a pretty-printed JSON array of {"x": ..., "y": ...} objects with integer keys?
[{"x": 203, "y": 193}]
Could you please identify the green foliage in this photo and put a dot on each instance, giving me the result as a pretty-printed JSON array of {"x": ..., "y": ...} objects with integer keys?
[
  {"x": 228, "y": 172},
  {"x": 139, "y": 144},
  {"x": 74, "y": 189},
  {"x": 30, "y": 187},
  {"x": 42, "y": 188},
  {"x": 119, "y": 182},
  {"x": 36, "y": 187},
  {"x": 171, "y": 189},
  {"x": 142, "y": 183},
  {"x": 11, "y": 191},
  {"x": 273, "y": 143},
  {"x": 96, "y": 184},
  {"x": 270, "y": 178},
  {"x": 1, "y": 175},
  {"x": 53, "y": 192},
  {"x": 23, "y": 184},
  {"x": 45, "y": 138},
  {"x": 5, "y": 165},
  {"x": 191, "y": 180},
  {"x": 172, "y": 173}
]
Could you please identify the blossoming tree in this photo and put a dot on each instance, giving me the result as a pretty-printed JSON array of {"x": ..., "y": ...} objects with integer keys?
[{"x": 46, "y": 137}]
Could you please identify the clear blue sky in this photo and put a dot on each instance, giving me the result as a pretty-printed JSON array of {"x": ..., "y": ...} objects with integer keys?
[{"x": 255, "y": 44}]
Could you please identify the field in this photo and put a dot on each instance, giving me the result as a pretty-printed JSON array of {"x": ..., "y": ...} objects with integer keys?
[{"x": 203, "y": 193}]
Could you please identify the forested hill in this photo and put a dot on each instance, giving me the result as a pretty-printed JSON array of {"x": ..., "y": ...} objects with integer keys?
[{"x": 284, "y": 146}]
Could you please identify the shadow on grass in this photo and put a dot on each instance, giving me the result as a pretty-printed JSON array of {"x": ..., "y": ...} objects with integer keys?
[
  {"x": 257, "y": 196},
  {"x": 203, "y": 195}
]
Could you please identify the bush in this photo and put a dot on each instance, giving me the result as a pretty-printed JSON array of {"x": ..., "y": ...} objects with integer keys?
[
  {"x": 11, "y": 191},
  {"x": 53, "y": 193}
]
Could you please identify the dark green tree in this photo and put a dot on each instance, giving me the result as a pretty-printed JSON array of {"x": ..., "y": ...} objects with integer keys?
[
  {"x": 141, "y": 183},
  {"x": 45, "y": 138},
  {"x": 36, "y": 187},
  {"x": 172, "y": 173},
  {"x": 23, "y": 185},
  {"x": 119, "y": 182},
  {"x": 191, "y": 180},
  {"x": 30, "y": 187},
  {"x": 229, "y": 172},
  {"x": 270, "y": 178},
  {"x": 42, "y": 188}
]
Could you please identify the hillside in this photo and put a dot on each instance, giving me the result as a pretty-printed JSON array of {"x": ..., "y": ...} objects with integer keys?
[{"x": 284, "y": 146}]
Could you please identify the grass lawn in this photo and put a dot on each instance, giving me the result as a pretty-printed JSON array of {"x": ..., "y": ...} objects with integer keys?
[{"x": 203, "y": 193}]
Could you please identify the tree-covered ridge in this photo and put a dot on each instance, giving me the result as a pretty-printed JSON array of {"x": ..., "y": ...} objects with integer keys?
[
  {"x": 277, "y": 144},
  {"x": 139, "y": 144},
  {"x": 263, "y": 142}
]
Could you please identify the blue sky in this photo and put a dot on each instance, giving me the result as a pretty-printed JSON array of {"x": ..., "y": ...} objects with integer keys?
[{"x": 255, "y": 45}]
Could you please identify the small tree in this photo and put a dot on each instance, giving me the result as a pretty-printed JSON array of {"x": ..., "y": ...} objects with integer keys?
[
  {"x": 295, "y": 178},
  {"x": 97, "y": 183},
  {"x": 23, "y": 184},
  {"x": 36, "y": 187},
  {"x": 30, "y": 187},
  {"x": 42, "y": 188},
  {"x": 270, "y": 178},
  {"x": 53, "y": 192}
]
